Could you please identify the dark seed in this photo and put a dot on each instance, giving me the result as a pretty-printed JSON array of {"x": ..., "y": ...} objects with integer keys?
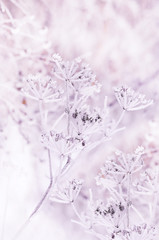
[
  {"x": 113, "y": 236},
  {"x": 121, "y": 208}
]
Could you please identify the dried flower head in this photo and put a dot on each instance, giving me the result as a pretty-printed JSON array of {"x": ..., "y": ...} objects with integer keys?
[
  {"x": 147, "y": 184},
  {"x": 117, "y": 167},
  {"x": 140, "y": 232},
  {"x": 68, "y": 193},
  {"x": 86, "y": 122},
  {"x": 130, "y": 100},
  {"x": 61, "y": 143},
  {"x": 40, "y": 87},
  {"x": 77, "y": 74}
]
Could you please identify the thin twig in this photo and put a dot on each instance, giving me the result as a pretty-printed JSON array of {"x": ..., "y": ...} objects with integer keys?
[
  {"x": 76, "y": 212},
  {"x": 120, "y": 119}
]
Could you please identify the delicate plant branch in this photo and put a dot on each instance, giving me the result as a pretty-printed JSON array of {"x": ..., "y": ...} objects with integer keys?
[
  {"x": 138, "y": 213},
  {"x": 128, "y": 198},
  {"x": 41, "y": 114},
  {"x": 76, "y": 212},
  {"x": 68, "y": 107},
  {"x": 155, "y": 201},
  {"x": 120, "y": 119},
  {"x": 47, "y": 190}
]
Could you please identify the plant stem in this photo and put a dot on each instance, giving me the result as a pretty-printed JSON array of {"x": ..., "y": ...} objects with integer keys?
[
  {"x": 138, "y": 213},
  {"x": 41, "y": 115},
  {"x": 47, "y": 190},
  {"x": 120, "y": 119},
  {"x": 128, "y": 199},
  {"x": 68, "y": 108},
  {"x": 40, "y": 202},
  {"x": 155, "y": 201},
  {"x": 76, "y": 212}
]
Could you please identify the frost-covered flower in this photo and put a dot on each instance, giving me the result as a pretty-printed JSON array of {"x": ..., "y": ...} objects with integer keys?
[
  {"x": 71, "y": 71},
  {"x": 103, "y": 213},
  {"x": 130, "y": 100},
  {"x": 106, "y": 216},
  {"x": 65, "y": 148},
  {"x": 130, "y": 162},
  {"x": 62, "y": 144},
  {"x": 85, "y": 122},
  {"x": 108, "y": 176},
  {"x": 140, "y": 232},
  {"x": 147, "y": 183},
  {"x": 78, "y": 75},
  {"x": 117, "y": 167},
  {"x": 40, "y": 87},
  {"x": 67, "y": 193}
]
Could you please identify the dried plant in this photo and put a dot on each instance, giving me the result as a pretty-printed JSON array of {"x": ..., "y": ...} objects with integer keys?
[
  {"x": 80, "y": 127},
  {"x": 59, "y": 121}
]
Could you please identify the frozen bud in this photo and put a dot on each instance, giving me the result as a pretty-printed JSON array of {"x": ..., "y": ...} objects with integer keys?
[
  {"x": 78, "y": 60},
  {"x": 45, "y": 138},
  {"x": 56, "y": 58},
  {"x": 121, "y": 207},
  {"x": 75, "y": 187},
  {"x": 139, "y": 150}
]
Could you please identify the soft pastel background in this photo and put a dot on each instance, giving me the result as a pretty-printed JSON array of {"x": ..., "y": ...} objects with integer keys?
[{"x": 120, "y": 41}]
